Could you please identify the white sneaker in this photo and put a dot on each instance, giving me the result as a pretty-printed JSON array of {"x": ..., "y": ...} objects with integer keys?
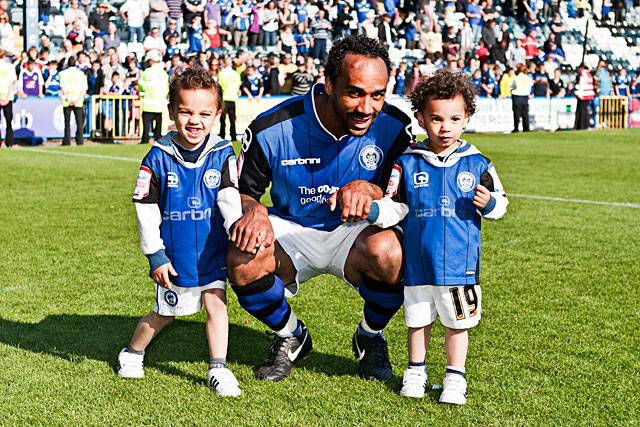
[
  {"x": 454, "y": 390},
  {"x": 130, "y": 365},
  {"x": 414, "y": 383},
  {"x": 223, "y": 382}
]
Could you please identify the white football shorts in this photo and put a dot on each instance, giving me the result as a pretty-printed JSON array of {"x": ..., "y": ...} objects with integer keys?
[
  {"x": 182, "y": 301},
  {"x": 316, "y": 252},
  {"x": 459, "y": 307}
]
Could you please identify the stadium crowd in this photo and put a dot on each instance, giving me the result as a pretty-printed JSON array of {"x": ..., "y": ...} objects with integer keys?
[{"x": 279, "y": 47}]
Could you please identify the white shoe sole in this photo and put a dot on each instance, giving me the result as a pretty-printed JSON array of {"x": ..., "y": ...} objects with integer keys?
[
  {"x": 452, "y": 400},
  {"x": 412, "y": 395},
  {"x": 133, "y": 375}
]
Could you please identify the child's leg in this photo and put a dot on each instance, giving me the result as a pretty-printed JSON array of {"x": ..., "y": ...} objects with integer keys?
[
  {"x": 418, "y": 343},
  {"x": 217, "y": 327},
  {"x": 456, "y": 343},
  {"x": 148, "y": 327}
]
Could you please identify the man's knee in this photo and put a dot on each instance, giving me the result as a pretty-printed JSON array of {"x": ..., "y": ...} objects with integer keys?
[
  {"x": 383, "y": 253},
  {"x": 244, "y": 268}
]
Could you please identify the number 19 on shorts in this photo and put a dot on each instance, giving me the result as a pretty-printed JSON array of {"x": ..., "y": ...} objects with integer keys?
[{"x": 465, "y": 305}]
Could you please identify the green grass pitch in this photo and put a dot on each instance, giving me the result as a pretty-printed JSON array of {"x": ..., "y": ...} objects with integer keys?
[{"x": 558, "y": 344}]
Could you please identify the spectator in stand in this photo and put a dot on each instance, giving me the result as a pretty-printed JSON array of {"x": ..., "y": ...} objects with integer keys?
[
  {"x": 369, "y": 27},
  {"x": 171, "y": 31},
  {"x": 73, "y": 87},
  {"x": 154, "y": 42},
  {"x": 362, "y": 7},
  {"x": 635, "y": 86},
  {"x": 285, "y": 14},
  {"x": 603, "y": 78},
  {"x": 213, "y": 12},
  {"x": 6, "y": 35},
  {"x": 192, "y": 8},
  {"x": 241, "y": 21},
  {"x": 557, "y": 28},
  {"x": 466, "y": 38},
  {"x": 302, "y": 38},
  {"x": 474, "y": 14},
  {"x": 287, "y": 42},
  {"x": 482, "y": 53},
  {"x": 75, "y": 13},
  {"x": 230, "y": 83},
  {"x": 212, "y": 38},
  {"x": 499, "y": 53},
  {"x": 302, "y": 79},
  {"x": 134, "y": 12},
  {"x": 132, "y": 69},
  {"x": 476, "y": 78},
  {"x": 30, "y": 80},
  {"x": 44, "y": 11},
  {"x": 556, "y": 85},
  {"x": 95, "y": 79},
  {"x": 541, "y": 83},
  {"x": 401, "y": 78},
  {"x": 431, "y": 40},
  {"x": 154, "y": 88},
  {"x": 111, "y": 39},
  {"x": 196, "y": 35},
  {"x": 584, "y": 92},
  {"x": 520, "y": 94},
  {"x": 51, "y": 77},
  {"x": 113, "y": 66},
  {"x": 274, "y": 79},
  {"x": 451, "y": 42},
  {"x": 99, "y": 19},
  {"x": 270, "y": 24},
  {"x": 346, "y": 22},
  {"x": 386, "y": 31},
  {"x": 489, "y": 81},
  {"x": 621, "y": 83},
  {"x": 489, "y": 34},
  {"x": 252, "y": 84},
  {"x": 320, "y": 31},
  {"x": 516, "y": 55},
  {"x": 175, "y": 15},
  {"x": 76, "y": 36},
  {"x": 158, "y": 14},
  {"x": 530, "y": 45},
  {"x": 7, "y": 85}
]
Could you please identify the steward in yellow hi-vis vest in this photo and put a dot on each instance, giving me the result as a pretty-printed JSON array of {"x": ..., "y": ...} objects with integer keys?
[{"x": 154, "y": 88}]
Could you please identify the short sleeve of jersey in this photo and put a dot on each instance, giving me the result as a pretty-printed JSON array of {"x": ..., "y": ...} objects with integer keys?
[
  {"x": 254, "y": 169},
  {"x": 229, "y": 172},
  {"x": 402, "y": 140},
  {"x": 147, "y": 189}
]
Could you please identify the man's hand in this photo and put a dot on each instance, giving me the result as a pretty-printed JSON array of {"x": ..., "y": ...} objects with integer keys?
[
  {"x": 162, "y": 275},
  {"x": 355, "y": 200},
  {"x": 253, "y": 231},
  {"x": 481, "y": 197}
]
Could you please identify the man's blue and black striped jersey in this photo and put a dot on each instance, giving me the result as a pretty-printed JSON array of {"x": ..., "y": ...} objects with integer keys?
[
  {"x": 176, "y": 200},
  {"x": 441, "y": 230},
  {"x": 289, "y": 147}
]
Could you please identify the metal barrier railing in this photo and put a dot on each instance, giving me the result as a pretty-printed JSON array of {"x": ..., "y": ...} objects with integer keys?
[
  {"x": 613, "y": 112},
  {"x": 116, "y": 117}
]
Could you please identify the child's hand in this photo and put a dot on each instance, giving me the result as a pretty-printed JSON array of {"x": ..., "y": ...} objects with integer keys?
[
  {"x": 481, "y": 196},
  {"x": 161, "y": 275}
]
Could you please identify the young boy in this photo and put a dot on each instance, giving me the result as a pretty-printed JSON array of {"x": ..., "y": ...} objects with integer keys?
[
  {"x": 186, "y": 197},
  {"x": 440, "y": 189}
]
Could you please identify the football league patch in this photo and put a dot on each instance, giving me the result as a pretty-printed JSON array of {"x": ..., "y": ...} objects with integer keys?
[
  {"x": 143, "y": 184},
  {"x": 233, "y": 171},
  {"x": 394, "y": 181}
]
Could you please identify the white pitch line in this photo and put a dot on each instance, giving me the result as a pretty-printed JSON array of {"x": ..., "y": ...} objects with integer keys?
[
  {"x": 522, "y": 196},
  {"x": 69, "y": 153},
  {"x": 588, "y": 202}
]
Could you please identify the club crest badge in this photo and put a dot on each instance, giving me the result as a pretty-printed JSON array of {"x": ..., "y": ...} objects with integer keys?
[
  {"x": 211, "y": 178},
  {"x": 370, "y": 157},
  {"x": 171, "y": 298},
  {"x": 466, "y": 181}
]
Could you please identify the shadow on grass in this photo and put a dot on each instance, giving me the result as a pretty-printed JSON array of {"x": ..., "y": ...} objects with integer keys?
[{"x": 100, "y": 337}]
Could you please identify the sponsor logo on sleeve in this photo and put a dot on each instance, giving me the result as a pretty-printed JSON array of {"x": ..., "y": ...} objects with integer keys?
[
  {"x": 370, "y": 157},
  {"x": 211, "y": 178},
  {"x": 466, "y": 181},
  {"x": 143, "y": 184},
  {"x": 394, "y": 181}
]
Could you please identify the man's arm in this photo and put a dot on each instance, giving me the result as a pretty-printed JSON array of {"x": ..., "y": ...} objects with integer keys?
[{"x": 496, "y": 206}]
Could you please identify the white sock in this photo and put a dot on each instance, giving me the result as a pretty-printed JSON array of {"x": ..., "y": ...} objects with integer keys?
[{"x": 290, "y": 327}]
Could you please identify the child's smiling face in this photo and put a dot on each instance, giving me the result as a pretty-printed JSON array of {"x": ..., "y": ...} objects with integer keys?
[
  {"x": 444, "y": 120},
  {"x": 195, "y": 114}
]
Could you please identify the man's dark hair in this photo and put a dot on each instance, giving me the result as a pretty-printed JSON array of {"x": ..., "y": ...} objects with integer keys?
[
  {"x": 357, "y": 45},
  {"x": 195, "y": 77},
  {"x": 445, "y": 84},
  {"x": 71, "y": 62}
]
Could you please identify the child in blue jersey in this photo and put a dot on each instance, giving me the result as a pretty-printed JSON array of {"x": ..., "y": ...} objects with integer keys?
[
  {"x": 186, "y": 200},
  {"x": 439, "y": 191}
]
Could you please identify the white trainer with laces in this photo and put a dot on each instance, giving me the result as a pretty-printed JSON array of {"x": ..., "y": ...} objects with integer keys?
[
  {"x": 414, "y": 383},
  {"x": 223, "y": 382},
  {"x": 454, "y": 389},
  {"x": 130, "y": 365}
]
